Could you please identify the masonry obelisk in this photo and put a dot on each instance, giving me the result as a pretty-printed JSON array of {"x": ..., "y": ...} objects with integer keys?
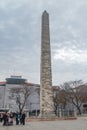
[{"x": 46, "y": 92}]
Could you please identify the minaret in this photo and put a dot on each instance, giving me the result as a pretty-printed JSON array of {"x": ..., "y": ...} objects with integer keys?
[{"x": 46, "y": 92}]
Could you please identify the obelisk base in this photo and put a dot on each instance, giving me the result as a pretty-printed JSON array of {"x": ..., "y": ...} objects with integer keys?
[{"x": 47, "y": 115}]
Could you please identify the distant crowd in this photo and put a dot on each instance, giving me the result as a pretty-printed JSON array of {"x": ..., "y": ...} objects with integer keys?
[{"x": 8, "y": 118}]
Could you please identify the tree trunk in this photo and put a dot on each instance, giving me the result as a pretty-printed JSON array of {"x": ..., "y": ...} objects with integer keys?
[{"x": 79, "y": 110}]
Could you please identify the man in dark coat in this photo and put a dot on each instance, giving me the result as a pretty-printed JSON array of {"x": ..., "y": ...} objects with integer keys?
[
  {"x": 23, "y": 118},
  {"x": 5, "y": 119},
  {"x": 17, "y": 119}
]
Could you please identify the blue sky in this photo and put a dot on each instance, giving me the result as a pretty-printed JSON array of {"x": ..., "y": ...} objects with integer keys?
[{"x": 20, "y": 39}]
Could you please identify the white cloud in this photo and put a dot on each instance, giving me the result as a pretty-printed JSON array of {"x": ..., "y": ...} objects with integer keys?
[
  {"x": 71, "y": 55},
  {"x": 20, "y": 22}
]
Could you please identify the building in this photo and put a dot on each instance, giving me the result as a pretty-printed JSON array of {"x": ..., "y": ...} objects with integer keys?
[{"x": 7, "y": 102}]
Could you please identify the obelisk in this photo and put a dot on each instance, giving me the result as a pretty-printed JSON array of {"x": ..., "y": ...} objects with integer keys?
[{"x": 46, "y": 92}]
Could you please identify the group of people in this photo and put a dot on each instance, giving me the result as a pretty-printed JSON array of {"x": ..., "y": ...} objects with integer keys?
[
  {"x": 8, "y": 118},
  {"x": 20, "y": 118}
]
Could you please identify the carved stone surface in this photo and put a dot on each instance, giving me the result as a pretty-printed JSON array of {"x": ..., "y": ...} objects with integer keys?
[{"x": 46, "y": 92}]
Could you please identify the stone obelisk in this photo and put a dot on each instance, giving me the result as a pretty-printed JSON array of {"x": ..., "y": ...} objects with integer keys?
[{"x": 46, "y": 92}]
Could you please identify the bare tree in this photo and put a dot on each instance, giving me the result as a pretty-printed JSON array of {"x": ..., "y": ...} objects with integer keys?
[
  {"x": 75, "y": 94},
  {"x": 60, "y": 100},
  {"x": 20, "y": 95}
]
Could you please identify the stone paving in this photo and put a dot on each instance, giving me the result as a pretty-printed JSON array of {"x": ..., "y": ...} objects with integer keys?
[{"x": 79, "y": 124}]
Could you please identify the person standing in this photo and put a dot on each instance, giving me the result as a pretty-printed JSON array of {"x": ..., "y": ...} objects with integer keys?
[
  {"x": 5, "y": 119},
  {"x": 23, "y": 118},
  {"x": 17, "y": 118}
]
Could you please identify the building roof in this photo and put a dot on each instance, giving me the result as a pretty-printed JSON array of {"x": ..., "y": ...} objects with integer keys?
[
  {"x": 15, "y": 80},
  {"x": 3, "y": 83}
]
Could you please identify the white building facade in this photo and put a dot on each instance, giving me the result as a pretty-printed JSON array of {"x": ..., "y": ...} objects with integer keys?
[{"x": 7, "y": 102}]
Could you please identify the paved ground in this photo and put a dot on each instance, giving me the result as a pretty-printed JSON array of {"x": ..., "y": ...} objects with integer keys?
[{"x": 79, "y": 124}]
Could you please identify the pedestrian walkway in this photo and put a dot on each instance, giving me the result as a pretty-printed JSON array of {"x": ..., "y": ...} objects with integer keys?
[{"x": 79, "y": 124}]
